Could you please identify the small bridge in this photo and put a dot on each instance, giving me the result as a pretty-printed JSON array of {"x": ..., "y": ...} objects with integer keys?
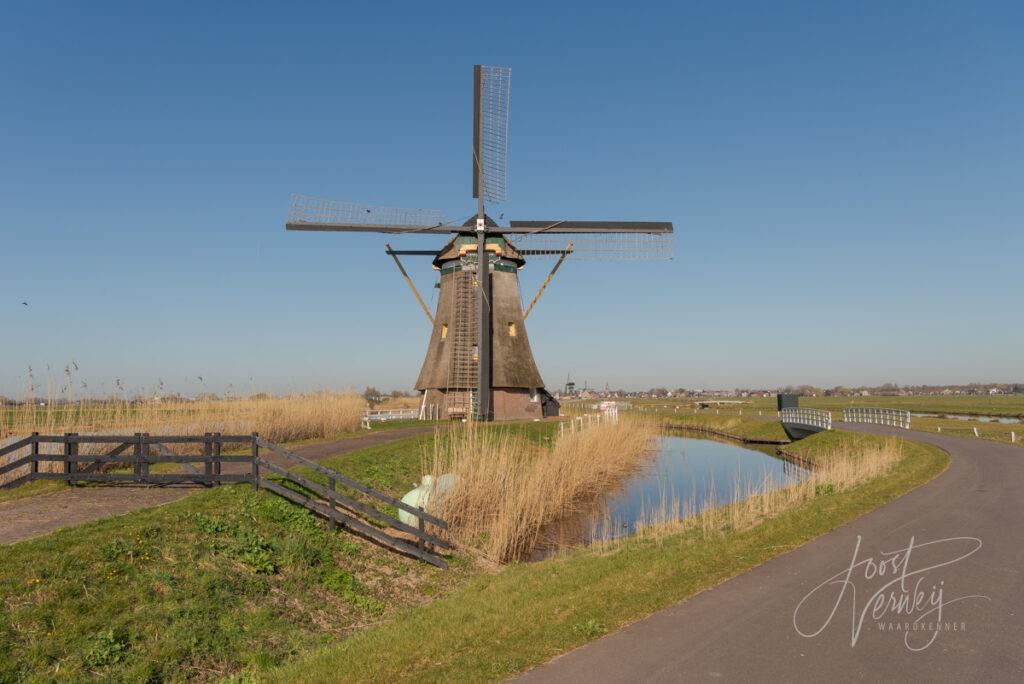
[
  {"x": 343, "y": 501},
  {"x": 801, "y": 422}
]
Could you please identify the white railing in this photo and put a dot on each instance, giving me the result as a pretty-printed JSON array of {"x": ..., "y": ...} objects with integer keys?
[
  {"x": 807, "y": 416},
  {"x": 384, "y": 415},
  {"x": 878, "y": 416}
]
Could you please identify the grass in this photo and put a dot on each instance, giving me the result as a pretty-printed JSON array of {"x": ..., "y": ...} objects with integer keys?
[
  {"x": 224, "y": 581},
  {"x": 501, "y": 624},
  {"x": 738, "y": 426}
]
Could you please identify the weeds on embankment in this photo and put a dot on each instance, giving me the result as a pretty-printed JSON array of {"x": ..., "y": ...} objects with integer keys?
[{"x": 508, "y": 489}]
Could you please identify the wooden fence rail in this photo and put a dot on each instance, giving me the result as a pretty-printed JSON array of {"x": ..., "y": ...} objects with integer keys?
[{"x": 141, "y": 451}]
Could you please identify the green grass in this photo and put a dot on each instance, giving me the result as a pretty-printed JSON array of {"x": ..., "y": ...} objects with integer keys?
[
  {"x": 501, "y": 624},
  {"x": 226, "y": 580},
  {"x": 742, "y": 427}
]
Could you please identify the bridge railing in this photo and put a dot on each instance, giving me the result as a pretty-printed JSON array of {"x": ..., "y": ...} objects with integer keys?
[
  {"x": 878, "y": 416},
  {"x": 807, "y": 416}
]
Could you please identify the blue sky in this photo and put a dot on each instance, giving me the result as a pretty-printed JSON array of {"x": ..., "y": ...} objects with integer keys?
[{"x": 845, "y": 180}]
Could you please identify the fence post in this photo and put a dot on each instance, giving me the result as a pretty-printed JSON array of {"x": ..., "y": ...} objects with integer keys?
[
  {"x": 255, "y": 462},
  {"x": 34, "y": 449},
  {"x": 332, "y": 502},
  {"x": 145, "y": 455},
  {"x": 69, "y": 452},
  {"x": 1013, "y": 437},
  {"x": 137, "y": 454},
  {"x": 217, "y": 443},
  {"x": 976, "y": 432},
  {"x": 207, "y": 459},
  {"x": 421, "y": 542}
]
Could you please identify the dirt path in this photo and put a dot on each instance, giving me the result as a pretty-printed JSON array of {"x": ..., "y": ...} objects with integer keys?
[{"x": 35, "y": 516}]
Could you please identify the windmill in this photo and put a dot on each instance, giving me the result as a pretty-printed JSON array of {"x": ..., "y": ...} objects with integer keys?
[{"x": 479, "y": 363}]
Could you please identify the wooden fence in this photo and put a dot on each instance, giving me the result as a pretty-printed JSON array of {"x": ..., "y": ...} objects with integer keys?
[{"x": 141, "y": 451}]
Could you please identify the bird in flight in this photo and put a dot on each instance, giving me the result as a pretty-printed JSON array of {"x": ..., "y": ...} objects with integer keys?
[{"x": 24, "y": 303}]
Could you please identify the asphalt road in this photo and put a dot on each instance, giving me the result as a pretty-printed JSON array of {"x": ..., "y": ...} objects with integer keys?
[{"x": 746, "y": 628}]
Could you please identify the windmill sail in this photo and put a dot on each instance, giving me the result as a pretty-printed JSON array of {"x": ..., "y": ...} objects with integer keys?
[
  {"x": 490, "y": 132},
  {"x": 316, "y": 213}
]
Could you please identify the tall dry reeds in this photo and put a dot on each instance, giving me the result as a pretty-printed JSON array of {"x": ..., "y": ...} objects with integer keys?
[
  {"x": 508, "y": 489},
  {"x": 278, "y": 419}
]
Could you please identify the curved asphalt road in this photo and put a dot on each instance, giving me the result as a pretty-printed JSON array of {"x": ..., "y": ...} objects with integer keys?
[{"x": 743, "y": 629}]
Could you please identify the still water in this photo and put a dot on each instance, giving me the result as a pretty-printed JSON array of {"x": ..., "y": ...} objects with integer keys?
[
  {"x": 684, "y": 475},
  {"x": 1005, "y": 420}
]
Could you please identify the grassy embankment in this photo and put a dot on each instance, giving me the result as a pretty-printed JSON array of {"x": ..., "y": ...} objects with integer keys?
[
  {"x": 228, "y": 581},
  {"x": 500, "y": 624},
  {"x": 223, "y": 581}
]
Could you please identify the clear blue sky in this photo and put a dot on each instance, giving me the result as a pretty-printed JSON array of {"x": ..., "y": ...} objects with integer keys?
[{"x": 846, "y": 181}]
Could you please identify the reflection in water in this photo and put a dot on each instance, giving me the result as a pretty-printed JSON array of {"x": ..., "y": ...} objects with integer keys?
[
  {"x": 1005, "y": 420},
  {"x": 685, "y": 476}
]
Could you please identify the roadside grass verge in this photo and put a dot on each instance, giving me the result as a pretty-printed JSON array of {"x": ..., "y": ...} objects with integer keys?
[{"x": 501, "y": 624}]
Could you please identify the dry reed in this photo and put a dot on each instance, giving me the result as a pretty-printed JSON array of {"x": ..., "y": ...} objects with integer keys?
[
  {"x": 277, "y": 419},
  {"x": 508, "y": 490}
]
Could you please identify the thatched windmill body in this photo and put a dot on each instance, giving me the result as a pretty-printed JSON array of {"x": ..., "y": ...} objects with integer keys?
[{"x": 479, "y": 363}]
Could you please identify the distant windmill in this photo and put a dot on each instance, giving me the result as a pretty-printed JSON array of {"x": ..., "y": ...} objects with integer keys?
[{"x": 479, "y": 362}]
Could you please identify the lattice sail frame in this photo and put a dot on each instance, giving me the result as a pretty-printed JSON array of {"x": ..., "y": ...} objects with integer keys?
[
  {"x": 492, "y": 129},
  {"x": 598, "y": 246},
  {"x": 306, "y": 209}
]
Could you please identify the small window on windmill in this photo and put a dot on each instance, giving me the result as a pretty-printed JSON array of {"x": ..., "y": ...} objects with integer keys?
[
  {"x": 511, "y": 329},
  {"x": 444, "y": 331}
]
